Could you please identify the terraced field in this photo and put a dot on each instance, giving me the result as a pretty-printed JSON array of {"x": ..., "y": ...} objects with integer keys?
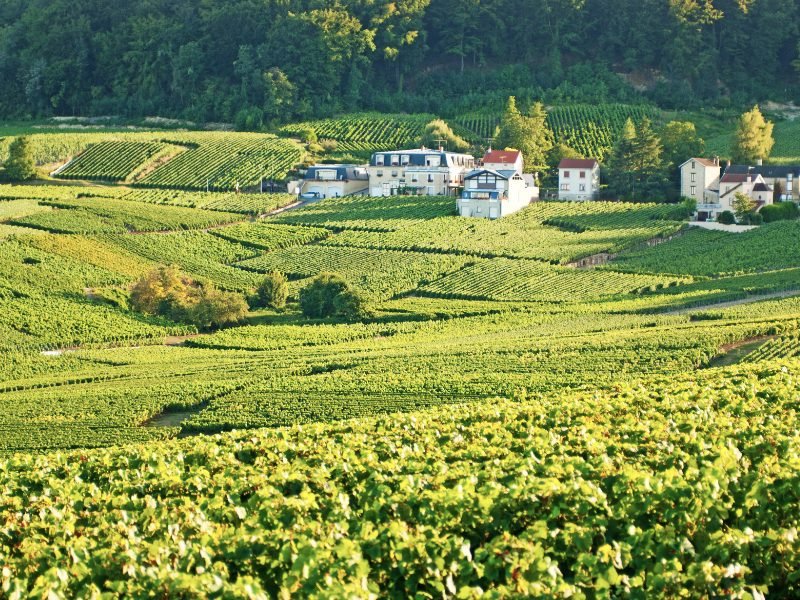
[{"x": 499, "y": 423}]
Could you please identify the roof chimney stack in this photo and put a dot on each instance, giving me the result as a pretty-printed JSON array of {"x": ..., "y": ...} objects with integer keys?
[
  {"x": 759, "y": 162},
  {"x": 716, "y": 161}
]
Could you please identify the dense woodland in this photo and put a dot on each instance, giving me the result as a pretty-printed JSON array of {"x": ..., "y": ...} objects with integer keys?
[{"x": 262, "y": 61}]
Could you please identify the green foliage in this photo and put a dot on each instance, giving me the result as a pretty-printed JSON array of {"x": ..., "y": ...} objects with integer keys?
[
  {"x": 753, "y": 138},
  {"x": 111, "y": 161},
  {"x": 318, "y": 298},
  {"x": 439, "y": 132},
  {"x": 715, "y": 253},
  {"x": 743, "y": 206},
  {"x": 780, "y": 211},
  {"x": 528, "y": 133},
  {"x": 680, "y": 142},
  {"x": 274, "y": 290},
  {"x": 726, "y": 217},
  {"x": 20, "y": 164},
  {"x": 636, "y": 164},
  {"x": 166, "y": 292}
]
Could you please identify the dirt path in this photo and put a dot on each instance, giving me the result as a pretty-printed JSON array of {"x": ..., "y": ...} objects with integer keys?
[
  {"x": 178, "y": 340},
  {"x": 729, "y": 304},
  {"x": 731, "y": 354}
]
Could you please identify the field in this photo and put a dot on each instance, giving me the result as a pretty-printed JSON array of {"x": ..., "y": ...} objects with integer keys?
[{"x": 506, "y": 421}]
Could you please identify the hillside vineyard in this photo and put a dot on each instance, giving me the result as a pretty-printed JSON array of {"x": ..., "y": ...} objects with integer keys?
[{"x": 215, "y": 383}]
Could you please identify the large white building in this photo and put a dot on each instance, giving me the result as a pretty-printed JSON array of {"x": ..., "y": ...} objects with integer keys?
[
  {"x": 578, "y": 179},
  {"x": 497, "y": 188},
  {"x": 422, "y": 171}
]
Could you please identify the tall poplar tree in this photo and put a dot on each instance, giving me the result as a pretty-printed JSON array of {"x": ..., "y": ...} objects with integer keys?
[{"x": 753, "y": 137}]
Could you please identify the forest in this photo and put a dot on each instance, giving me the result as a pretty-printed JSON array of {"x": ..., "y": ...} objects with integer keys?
[{"x": 262, "y": 62}]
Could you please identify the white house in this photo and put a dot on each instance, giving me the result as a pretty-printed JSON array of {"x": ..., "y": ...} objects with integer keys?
[
  {"x": 783, "y": 179},
  {"x": 422, "y": 171},
  {"x": 578, "y": 179},
  {"x": 332, "y": 181},
  {"x": 496, "y": 189},
  {"x": 699, "y": 176}
]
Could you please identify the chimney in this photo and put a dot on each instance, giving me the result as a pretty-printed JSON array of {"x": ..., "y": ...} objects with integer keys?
[
  {"x": 759, "y": 162},
  {"x": 749, "y": 178},
  {"x": 716, "y": 161}
]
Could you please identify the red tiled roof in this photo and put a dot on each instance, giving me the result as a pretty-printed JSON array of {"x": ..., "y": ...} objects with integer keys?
[
  {"x": 706, "y": 161},
  {"x": 577, "y": 163},
  {"x": 501, "y": 156},
  {"x": 735, "y": 177}
]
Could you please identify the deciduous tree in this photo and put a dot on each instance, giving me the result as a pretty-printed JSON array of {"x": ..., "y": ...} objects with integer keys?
[
  {"x": 753, "y": 137},
  {"x": 20, "y": 165}
]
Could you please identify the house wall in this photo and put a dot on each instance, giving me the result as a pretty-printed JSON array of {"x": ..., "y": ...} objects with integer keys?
[
  {"x": 384, "y": 179},
  {"x": 516, "y": 196},
  {"x": 334, "y": 188},
  {"x": 704, "y": 178},
  {"x": 572, "y": 191}
]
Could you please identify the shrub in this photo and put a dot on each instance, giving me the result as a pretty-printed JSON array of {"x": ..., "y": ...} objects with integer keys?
[
  {"x": 317, "y": 298},
  {"x": 167, "y": 292},
  {"x": 20, "y": 165},
  {"x": 274, "y": 290},
  {"x": 781, "y": 211},
  {"x": 726, "y": 217},
  {"x": 352, "y": 305},
  {"x": 329, "y": 295}
]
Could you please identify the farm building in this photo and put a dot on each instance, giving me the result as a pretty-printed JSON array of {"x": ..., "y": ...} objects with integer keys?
[
  {"x": 332, "y": 181},
  {"x": 497, "y": 188},
  {"x": 422, "y": 171},
  {"x": 578, "y": 179}
]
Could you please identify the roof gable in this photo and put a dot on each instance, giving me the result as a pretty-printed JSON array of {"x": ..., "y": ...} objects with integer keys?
[{"x": 577, "y": 163}]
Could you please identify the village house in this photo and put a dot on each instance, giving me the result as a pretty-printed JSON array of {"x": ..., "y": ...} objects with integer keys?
[
  {"x": 784, "y": 180},
  {"x": 703, "y": 180},
  {"x": 700, "y": 180},
  {"x": 497, "y": 188},
  {"x": 578, "y": 179},
  {"x": 422, "y": 171},
  {"x": 333, "y": 181}
]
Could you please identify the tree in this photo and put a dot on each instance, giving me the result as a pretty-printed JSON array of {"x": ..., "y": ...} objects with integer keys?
[
  {"x": 274, "y": 290},
  {"x": 20, "y": 165},
  {"x": 329, "y": 295},
  {"x": 754, "y": 139},
  {"x": 165, "y": 291},
  {"x": 438, "y": 130},
  {"x": 743, "y": 206},
  {"x": 636, "y": 164},
  {"x": 317, "y": 298},
  {"x": 529, "y": 134},
  {"x": 680, "y": 142},
  {"x": 210, "y": 308},
  {"x": 352, "y": 305}
]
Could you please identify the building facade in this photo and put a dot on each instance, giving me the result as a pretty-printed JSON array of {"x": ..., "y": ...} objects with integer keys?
[
  {"x": 496, "y": 189},
  {"x": 423, "y": 172},
  {"x": 333, "y": 181},
  {"x": 698, "y": 177},
  {"x": 578, "y": 179}
]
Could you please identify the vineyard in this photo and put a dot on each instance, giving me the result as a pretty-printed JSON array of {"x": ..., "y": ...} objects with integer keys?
[
  {"x": 589, "y": 129},
  {"x": 501, "y": 421},
  {"x": 368, "y": 131},
  {"x": 111, "y": 161}
]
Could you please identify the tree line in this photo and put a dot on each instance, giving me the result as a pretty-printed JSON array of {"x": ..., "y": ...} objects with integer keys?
[{"x": 258, "y": 62}]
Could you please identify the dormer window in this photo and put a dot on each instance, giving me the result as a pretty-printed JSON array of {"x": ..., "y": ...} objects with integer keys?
[
  {"x": 404, "y": 159},
  {"x": 379, "y": 160}
]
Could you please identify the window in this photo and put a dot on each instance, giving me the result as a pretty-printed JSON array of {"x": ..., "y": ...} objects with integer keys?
[
  {"x": 692, "y": 165},
  {"x": 693, "y": 177},
  {"x": 582, "y": 187},
  {"x": 395, "y": 160},
  {"x": 379, "y": 160},
  {"x": 404, "y": 159},
  {"x": 430, "y": 177},
  {"x": 566, "y": 174},
  {"x": 414, "y": 179},
  {"x": 394, "y": 173},
  {"x": 379, "y": 174},
  {"x": 693, "y": 190},
  {"x": 582, "y": 175},
  {"x": 564, "y": 187}
]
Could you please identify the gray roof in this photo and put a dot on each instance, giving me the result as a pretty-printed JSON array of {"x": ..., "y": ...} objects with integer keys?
[
  {"x": 357, "y": 172},
  {"x": 501, "y": 173},
  {"x": 771, "y": 171}
]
